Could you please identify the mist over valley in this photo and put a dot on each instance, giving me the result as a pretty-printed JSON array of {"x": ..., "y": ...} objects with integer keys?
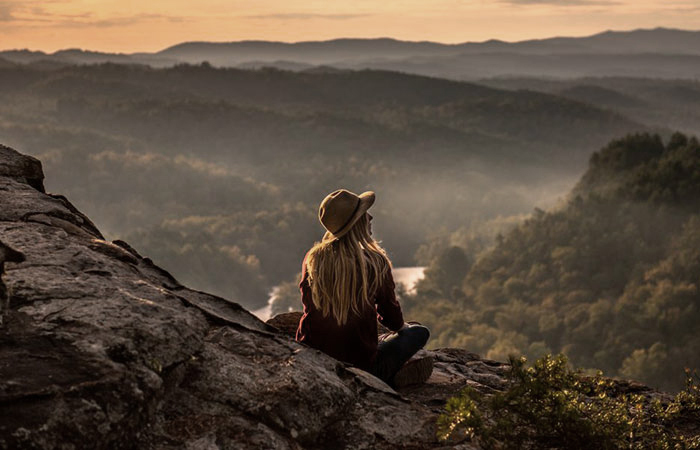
[{"x": 220, "y": 171}]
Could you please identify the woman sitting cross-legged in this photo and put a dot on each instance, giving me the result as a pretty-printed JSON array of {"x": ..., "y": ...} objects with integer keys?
[{"x": 346, "y": 286}]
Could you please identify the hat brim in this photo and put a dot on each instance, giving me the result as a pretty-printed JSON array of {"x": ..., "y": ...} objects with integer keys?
[{"x": 366, "y": 201}]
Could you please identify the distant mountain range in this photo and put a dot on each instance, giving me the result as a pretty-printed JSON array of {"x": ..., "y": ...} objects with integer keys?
[{"x": 659, "y": 53}]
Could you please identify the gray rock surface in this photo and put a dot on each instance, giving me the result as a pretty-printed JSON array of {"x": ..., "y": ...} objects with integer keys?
[
  {"x": 22, "y": 168},
  {"x": 100, "y": 348},
  {"x": 7, "y": 255}
]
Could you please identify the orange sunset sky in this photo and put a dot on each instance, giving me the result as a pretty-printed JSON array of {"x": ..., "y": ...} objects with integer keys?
[{"x": 151, "y": 25}]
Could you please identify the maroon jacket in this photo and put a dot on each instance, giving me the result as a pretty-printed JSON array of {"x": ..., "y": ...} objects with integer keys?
[{"x": 354, "y": 342}]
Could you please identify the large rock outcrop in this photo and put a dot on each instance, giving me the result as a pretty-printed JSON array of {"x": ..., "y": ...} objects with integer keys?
[{"x": 100, "y": 348}]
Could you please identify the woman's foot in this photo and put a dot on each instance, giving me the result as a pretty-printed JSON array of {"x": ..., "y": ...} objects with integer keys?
[{"x": 416, "y": 371}]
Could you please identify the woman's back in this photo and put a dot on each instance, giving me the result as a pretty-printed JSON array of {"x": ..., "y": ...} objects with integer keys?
[
  {"x": 347, "y": 285},
  {"x": 355, "y": 340}
]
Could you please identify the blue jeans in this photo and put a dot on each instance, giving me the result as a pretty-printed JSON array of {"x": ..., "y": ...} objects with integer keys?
[{"x": 396, "y": 348}]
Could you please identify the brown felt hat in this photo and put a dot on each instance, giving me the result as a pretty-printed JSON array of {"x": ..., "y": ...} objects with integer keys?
[{"x": 341, "y": 209}]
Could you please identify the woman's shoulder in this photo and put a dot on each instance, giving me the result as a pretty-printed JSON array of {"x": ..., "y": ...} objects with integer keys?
[
  {"x": 304, "y": 271},
  {"x": 384, "y": 273}
]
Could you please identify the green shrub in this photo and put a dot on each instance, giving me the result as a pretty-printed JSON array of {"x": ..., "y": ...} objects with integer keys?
[{"x": 548, "y": 405}]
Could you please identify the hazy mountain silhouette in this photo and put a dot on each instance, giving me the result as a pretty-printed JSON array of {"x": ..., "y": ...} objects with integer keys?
[
  {"x": 659, "y": 52},
  {"x": 78, "y": 56},
  {"x": 659, "y": 40},
  {"x": 473, "y": 66},
  {"x": 314, "y": 52},
  {"x": 5, "y": 63},
  {"x": 669, "y": 103}
]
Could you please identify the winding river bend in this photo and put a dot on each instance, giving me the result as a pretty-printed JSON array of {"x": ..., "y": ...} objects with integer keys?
[{"x": 408, "y": 276}]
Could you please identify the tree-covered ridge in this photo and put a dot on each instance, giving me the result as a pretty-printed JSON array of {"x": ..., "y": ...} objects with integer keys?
[
  {"x": 651, "y": 173},
  {"x": 674, "y": 103},
  {"x": 610, "y": 279}
]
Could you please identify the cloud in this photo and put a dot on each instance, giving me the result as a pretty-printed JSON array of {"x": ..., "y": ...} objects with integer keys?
[
  {"x": 563, "y": 2},
  {"x": 683, "y": 9},
  {"x": 124, "y": 20},
  {"x": 307, "y": 16},
  {"x": 8, "y": 9},
  {"x": 17, "y": 12}
]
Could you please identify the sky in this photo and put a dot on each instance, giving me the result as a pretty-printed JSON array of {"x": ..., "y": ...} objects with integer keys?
[{"x": 151, "y": 25}]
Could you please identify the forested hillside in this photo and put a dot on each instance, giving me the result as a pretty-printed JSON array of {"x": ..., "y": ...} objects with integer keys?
[
  {"x": 669, "y": 103},
  {"x": 217, "y": 173},
  {"x": 610, "y": 278}
]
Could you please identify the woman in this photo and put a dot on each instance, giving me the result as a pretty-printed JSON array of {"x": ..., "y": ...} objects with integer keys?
[{"x": 347, "y": 286}]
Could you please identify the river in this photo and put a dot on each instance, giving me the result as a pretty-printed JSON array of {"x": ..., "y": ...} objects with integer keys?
[{"x": 408, "y": 276}]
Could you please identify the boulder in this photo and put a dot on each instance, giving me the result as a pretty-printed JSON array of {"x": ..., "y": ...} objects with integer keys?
[
  {"x": 22, "y": 168},
  {"x": 287, "y": 323}
]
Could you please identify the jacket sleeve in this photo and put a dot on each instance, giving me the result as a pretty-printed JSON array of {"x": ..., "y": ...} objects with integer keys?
[
  {"x": 306, "y": 300},
  {"x": 304, "y": 286},
  {"x": 388, "y": 309}
]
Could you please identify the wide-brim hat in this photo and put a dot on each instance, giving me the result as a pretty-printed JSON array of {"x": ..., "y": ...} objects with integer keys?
[{"x": 341, "y": 209}]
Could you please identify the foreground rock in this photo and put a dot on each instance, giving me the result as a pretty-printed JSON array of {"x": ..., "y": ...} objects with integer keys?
[{"x": 100, "y": 348}]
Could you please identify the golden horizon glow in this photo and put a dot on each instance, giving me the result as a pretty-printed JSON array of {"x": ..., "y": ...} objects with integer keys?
[{"x": 130, "y": 26}]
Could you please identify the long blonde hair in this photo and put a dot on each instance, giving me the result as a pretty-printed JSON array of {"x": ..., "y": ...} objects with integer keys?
[{"x": 345, "y": 273}]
